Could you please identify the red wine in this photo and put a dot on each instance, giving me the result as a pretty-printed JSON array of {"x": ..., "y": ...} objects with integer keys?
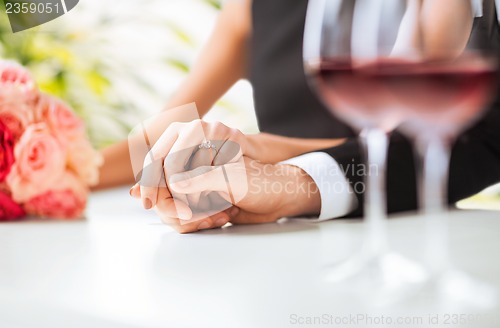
[{"x": 386, "y": 93}]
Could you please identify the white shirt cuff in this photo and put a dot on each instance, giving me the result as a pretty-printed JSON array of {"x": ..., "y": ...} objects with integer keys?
[
  {"x": 477, "y": 8},
  {"x": 337, "y": 196}
]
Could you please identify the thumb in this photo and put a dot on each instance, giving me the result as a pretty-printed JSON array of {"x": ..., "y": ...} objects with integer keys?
[
  {"x": 201, "y": 179},
  {"x": 229, "y": 179}
]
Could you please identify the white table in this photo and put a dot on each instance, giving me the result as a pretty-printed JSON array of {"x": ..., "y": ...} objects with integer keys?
[{"x": 122, "y": 268}]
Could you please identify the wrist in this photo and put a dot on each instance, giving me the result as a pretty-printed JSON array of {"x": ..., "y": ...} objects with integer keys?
[
  {"x": 254, "y": 142},
  {"x": 301, "y": 194}
]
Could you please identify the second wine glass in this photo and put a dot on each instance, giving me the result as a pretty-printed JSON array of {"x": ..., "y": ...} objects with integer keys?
[{"x": 350, "y": 49}]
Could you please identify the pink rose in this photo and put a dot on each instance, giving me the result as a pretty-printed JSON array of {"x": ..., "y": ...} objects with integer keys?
[
  {"x": 16, "y": 116},
  {"x": 84, "y": 161},
  {"x": 13, "y": 73},
  {"x": 6, "y": 152},
  {"x": 40, "y": 162},
  {"x": 15, "y": 80},
  {"x": 66, "y": 201},
  {"x": 59, "y": 117},
  {"x": 8, "y": 209}
]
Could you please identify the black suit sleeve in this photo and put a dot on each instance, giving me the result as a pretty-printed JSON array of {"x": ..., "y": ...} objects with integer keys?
[{"x": 475, "y": 165}]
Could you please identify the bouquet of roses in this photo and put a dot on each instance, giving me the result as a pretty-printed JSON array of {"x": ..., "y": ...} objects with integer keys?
[{"x": 47, "y": 164}]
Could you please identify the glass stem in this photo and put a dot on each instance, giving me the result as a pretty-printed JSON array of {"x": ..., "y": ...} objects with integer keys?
[
  {"x": 434, "y": 156},
  {"x": 375, "y": 143}
]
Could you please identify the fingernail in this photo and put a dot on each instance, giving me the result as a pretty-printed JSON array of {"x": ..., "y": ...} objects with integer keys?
[
  {"x": 147, "y": 203},
  {"x": 220, "y": 222},
  {"x": 234, "y": 211},
  {"x": 204, "y": 225}
]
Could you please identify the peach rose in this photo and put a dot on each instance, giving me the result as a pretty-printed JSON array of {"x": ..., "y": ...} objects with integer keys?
[
  {"x": 16, "y": 117},
  {"x": 15, "y": 80},
  {"x": 84, "y": 161},
  {"x": 67, "y": 200},
  {"x": 62, "y": 121},
  {"x": 40, "y": 162}
]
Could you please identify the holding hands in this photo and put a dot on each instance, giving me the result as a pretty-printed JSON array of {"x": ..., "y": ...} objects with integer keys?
[{"x": 201, "y": 175}]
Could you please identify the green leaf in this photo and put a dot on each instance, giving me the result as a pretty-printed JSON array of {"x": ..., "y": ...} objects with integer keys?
[
  {"x": 180, "y": 34},
  {"x": 178, "y": 64},
  {"x": 216, "y": 4}
]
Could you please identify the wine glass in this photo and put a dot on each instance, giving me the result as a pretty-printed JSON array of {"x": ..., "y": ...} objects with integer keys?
[
  {"x": 445, "y": 90},
  {"x": 350, "y": 48},
  {"x": 420, "y": 64}
]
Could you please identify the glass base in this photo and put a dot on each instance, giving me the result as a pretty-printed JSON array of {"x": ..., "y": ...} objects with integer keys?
[
  {"x": 453, "y": 290},
  {"x": 379, "y": 278}
]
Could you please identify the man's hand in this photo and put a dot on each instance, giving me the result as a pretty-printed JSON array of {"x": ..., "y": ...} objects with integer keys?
[{"x": 262, "y": 192}]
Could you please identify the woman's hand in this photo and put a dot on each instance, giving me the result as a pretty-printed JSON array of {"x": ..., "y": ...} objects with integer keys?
[
  {"x": 168, "y": 212},
  {"x": 183, "y": 147}
]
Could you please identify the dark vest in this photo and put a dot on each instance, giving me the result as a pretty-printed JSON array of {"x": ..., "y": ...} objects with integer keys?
[{"x": 284, "y": 103}]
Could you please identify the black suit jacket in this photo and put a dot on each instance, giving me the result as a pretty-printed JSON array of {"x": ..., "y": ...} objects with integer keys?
[{"x": 285, "y": 105}]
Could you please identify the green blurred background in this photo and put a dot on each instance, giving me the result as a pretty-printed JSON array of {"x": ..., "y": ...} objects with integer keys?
[{"x": 117, "y": 63}]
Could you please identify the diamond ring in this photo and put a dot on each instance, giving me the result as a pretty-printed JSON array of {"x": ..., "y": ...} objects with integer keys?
[{"x": 207, "y": 145}]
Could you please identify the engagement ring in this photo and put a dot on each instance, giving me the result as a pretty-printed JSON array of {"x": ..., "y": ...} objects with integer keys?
[{"x": 207, "y": 145}]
